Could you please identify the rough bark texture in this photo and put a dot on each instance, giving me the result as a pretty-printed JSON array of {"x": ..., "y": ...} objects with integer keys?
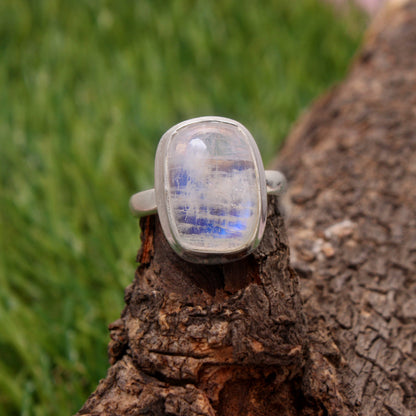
[
  {"x": 246, "y": 338},
  {"x": 352, "y": 168}
]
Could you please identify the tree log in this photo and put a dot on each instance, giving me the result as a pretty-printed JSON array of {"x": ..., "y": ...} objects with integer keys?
[{"x": 253, "y": 338}]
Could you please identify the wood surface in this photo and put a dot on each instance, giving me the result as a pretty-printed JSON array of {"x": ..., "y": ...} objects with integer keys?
[{"x": 327, "y": 327}]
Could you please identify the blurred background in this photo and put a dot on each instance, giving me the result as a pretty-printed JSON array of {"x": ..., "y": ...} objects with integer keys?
[{"x": 87, "y": 89}]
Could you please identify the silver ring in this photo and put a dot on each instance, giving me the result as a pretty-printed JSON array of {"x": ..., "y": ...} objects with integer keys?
[{"x": 210, "y": 190}]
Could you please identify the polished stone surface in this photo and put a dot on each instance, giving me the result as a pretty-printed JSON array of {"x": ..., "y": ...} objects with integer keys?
[{"x": 212, "y": 187}]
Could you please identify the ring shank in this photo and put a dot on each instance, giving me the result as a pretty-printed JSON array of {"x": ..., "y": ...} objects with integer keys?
[
  {"x": 276, "y": 182},
  {"x": 144, "y": 203}
]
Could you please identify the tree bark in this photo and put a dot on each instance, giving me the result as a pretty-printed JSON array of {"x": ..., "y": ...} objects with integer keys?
[{"x": 251, "y": 337}]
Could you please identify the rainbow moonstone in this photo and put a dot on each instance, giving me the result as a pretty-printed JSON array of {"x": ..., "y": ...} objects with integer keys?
[{"x": 209, "y": 183}]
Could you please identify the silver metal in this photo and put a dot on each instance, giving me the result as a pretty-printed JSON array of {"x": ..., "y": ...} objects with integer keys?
[
  {"x": 198, "y": 170},
  {"x": 144, "y": 203},
  {"x": 276, "y": 182}
]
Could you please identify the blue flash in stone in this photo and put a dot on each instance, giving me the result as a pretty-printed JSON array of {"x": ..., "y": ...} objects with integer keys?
[{"x": 210, "y": 189}]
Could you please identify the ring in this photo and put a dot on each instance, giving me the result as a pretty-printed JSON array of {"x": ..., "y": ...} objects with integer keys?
[{"x": 210, "y": 190}]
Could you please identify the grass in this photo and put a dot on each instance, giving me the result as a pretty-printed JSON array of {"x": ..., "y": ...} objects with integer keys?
[{"x": 87, "y": 89}]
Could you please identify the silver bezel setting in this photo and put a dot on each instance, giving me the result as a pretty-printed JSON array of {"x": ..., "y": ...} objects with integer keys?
[{"x": 210, "y": 256}]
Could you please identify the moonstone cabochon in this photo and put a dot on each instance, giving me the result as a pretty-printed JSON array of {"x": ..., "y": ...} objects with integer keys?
[{"x": 210, "y": 190}]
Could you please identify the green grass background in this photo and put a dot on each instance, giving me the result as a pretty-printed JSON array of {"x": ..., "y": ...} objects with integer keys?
[{"x": 87, "y": 89}]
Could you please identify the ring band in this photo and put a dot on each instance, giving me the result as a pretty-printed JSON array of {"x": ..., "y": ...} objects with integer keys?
[
  {"x": 144, "y": 203},
  {"x": 210, "y": 190}
]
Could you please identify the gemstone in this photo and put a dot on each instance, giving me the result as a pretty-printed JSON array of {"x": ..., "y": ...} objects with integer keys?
[{"x": 211, "y": 181}]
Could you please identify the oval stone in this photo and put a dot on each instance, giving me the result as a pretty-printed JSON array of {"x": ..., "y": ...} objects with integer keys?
[{"x": 210, "y": 189}]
